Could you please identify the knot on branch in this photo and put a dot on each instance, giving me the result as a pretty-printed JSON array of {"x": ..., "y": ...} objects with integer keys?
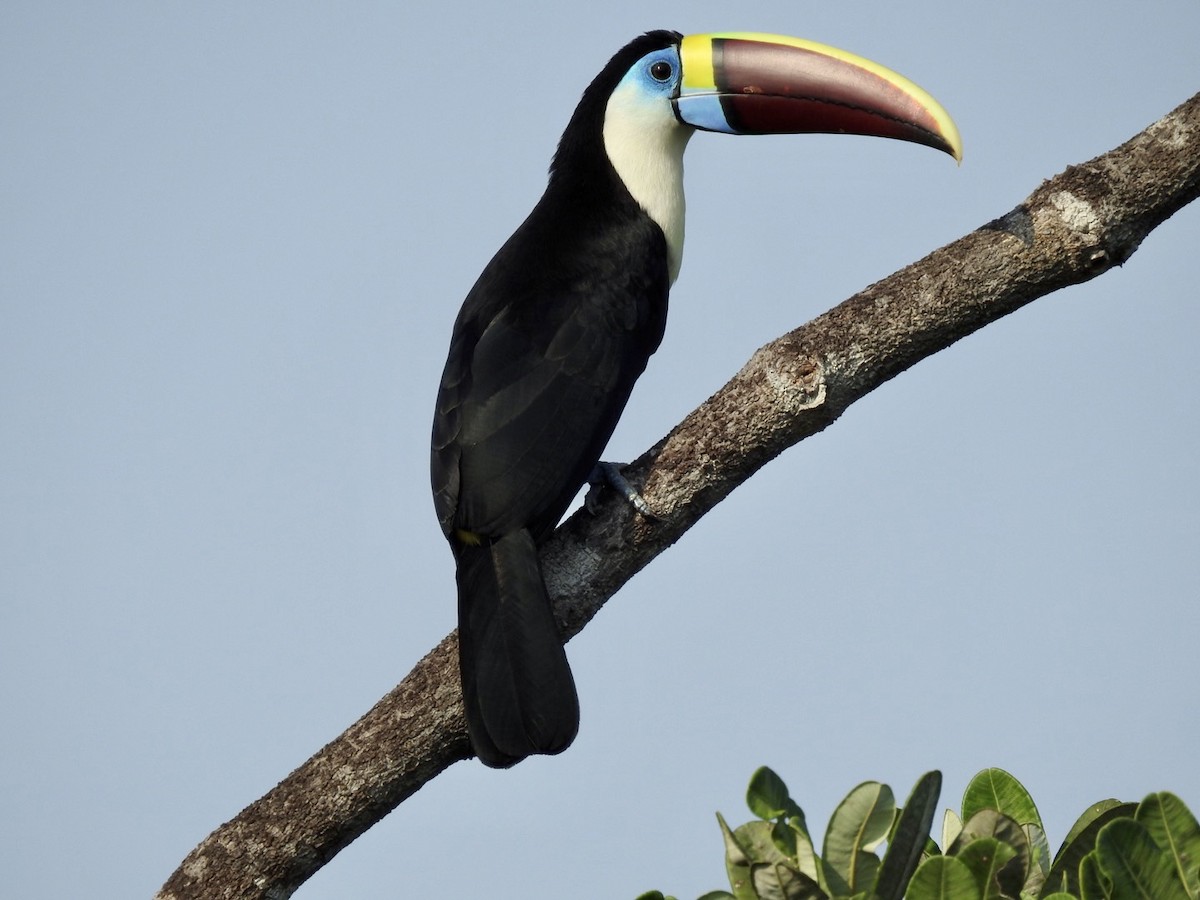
[{"x": 796, "y": 381}]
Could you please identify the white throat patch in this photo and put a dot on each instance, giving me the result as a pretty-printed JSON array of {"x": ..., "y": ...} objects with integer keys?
[{"x": 645, "y": 144}]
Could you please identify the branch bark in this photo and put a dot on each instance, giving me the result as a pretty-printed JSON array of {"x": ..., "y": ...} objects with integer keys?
[{"x": 1072, "y": 228}]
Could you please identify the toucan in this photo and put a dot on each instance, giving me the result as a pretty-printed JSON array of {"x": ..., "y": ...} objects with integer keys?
[{"x": 562, "y": 321}]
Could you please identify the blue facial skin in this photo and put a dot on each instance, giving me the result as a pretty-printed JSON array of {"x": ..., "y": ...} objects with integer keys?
[
  {"x": 656, "y": 75},
  {"x": 659, "y": 76}
]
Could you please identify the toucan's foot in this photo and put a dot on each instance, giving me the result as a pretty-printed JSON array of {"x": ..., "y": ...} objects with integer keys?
[{"x": 607, "y": 474}]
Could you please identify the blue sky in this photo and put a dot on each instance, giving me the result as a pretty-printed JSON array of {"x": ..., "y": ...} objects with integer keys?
[{"x": 233, "y": 239}]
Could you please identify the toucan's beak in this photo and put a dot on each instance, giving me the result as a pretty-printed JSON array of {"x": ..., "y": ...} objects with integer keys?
[{"x": 747, "y": 83}]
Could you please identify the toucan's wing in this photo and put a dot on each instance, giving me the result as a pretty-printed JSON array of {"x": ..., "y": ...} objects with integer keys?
[{"x": 532, "y": 391}]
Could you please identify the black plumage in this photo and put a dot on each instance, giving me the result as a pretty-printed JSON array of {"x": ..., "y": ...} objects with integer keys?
[{"x": 543, "y": 357}]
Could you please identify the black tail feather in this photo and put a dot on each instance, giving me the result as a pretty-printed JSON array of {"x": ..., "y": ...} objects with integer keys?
[{"x": 517, "y": 686}]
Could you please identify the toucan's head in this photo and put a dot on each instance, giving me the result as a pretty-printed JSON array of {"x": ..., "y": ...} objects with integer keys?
[{"x": 662, "y": 87}]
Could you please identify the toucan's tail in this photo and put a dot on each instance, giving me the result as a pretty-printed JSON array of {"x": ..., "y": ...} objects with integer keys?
[{"x": 517, "y": 687}]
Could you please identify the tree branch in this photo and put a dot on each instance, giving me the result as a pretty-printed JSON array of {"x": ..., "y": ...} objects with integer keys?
[{"x": 1072, "y": 228}]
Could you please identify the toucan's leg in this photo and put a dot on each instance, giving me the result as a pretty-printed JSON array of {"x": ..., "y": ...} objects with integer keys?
[{"x": 607, "y": 474}]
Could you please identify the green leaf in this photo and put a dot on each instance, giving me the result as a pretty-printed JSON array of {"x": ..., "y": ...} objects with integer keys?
[
  {"x": 733, "y": 850},
  {"x": 1081, "y": 840},
  {"x": 779, "y": 881},
  {"x": 908, "y": 838},
  {"x": 1056, "y": 885},
  {"x": 757, "y": 870},
  {"x": 857, "y": 827},
  {"x": 1039, "y": 859},
  {"x": 805, "y": 855},
  {"x": 1090, "y": 815},
  {"x": 1057, "y": 895},
  {"x": 1174, "y": 829},
  {"x": 1093, "y": 883},
  {"x": 713, "y": 895},
  {"x": 986, "y": 857},
  {"x": 990, "y": 823},
  {"x": 951, "y": 829},
  {"x": 737, "y": 864},
  {"x": 761, "y": 872},
  {"x": 756, "y": 841},
  {"x": 943, "y": 878},
  {"x": 784, "y": 837},
  {"x": 996, "y": 789},
  {"x": 1138, "y": 868},
  {"x": 768, "y": 798},
  {"x": 653, "y": 895}
]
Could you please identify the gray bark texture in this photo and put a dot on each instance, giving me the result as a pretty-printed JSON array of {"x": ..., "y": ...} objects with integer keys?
[{"x": 1072, "y": 228}]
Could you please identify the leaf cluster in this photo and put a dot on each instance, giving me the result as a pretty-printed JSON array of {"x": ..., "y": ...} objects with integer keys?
[{"x": 995, "y": 848}]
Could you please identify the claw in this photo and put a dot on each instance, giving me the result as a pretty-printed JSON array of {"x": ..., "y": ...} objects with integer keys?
[{"x": 606, "y": 474}]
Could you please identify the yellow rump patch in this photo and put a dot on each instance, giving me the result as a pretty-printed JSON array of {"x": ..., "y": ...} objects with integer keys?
[{"x": 470, "y": 538}]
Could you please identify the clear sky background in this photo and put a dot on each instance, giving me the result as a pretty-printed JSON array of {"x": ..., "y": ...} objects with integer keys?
[{"x": 233, "y": 239}]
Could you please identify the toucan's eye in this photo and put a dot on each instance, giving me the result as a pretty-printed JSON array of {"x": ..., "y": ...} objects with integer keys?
[{"x": 660, "y": 71}]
